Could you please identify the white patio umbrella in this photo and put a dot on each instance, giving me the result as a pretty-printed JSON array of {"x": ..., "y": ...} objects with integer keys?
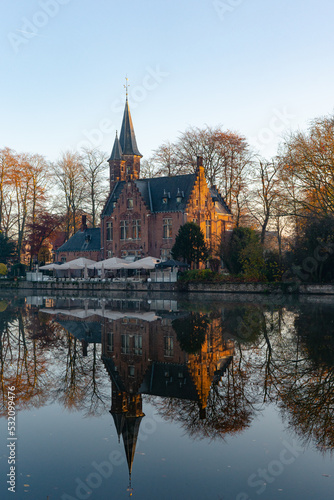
[
  {"x": 145, "y": 263},
  {"x": 79, "y": 263},
  {"x": 76, "y": 263},
  {"x": 49, "y": 267},
  {"x": 108, "y": 264},
  {"x": 75, "y": 313},
  {"x": 114, "y": 315},
  {"x": 69, "y": 265}
]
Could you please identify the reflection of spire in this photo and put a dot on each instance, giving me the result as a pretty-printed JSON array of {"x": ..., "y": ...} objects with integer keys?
[
  {"x": 119, "y": 423},
  {"x": 130, "y": 435},
  {"x": 126, "y": 411},
  {"x": 129, "y": 488}
]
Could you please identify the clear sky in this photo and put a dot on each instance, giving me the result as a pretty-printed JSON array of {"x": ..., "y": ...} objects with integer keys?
[{"x": 258, "y": 67}]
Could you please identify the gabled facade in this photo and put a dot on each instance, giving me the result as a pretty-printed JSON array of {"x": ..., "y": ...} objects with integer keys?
[{"x": 142, "y": 216}]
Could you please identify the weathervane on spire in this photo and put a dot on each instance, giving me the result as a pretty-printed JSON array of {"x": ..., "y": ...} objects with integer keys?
[{"x": 126, "y": 86}]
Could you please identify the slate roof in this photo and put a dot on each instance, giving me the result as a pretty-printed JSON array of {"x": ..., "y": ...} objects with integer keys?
[
  {"x": 90, "y": 331},
  {"x": 169, "y": 380},
  {"x": 127, "y": 137},
  {"x": 113, "y": 373},
  {"x": 155, "y": 189},
  {"x": 116, "y": 153},
  {"x": 216, "y": 196},
  {"x": 83, "y": 241}
]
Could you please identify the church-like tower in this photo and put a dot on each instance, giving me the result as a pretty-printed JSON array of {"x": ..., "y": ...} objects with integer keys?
[{"x": 124, "y": 161}]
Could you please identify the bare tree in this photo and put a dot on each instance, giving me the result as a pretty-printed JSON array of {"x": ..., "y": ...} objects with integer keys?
[
  {"x": 227, "y": 159},
  {"x": 69, "y": 178},
  {"x": 94, "y": 174},
  {"x": 265, "y": 194}
]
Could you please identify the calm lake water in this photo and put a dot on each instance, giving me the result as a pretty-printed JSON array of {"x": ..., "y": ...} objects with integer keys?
[{"x": 125, "y": 396}]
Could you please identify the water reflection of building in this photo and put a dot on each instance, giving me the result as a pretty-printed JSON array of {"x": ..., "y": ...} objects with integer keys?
[
  {"x": 142, "y": 354},
  {"x": 145, "y": 357}
]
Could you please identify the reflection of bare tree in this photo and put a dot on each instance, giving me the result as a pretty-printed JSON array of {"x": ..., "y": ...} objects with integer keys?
[
  {"x": 306, "y": 390},
  {"x": 22, "y": 366},
  {"x": 307, "y": 404},
  {"x": 45, "y": 363},
  {"x": 270, "y": 364},
  {"x": 80, "y": 379},
  {"x": 280, "y": 355},
  {"x": 230, "y": 408}
]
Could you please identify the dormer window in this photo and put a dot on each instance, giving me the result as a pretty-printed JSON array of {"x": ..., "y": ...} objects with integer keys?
[
  {"x": 179, "y": 196},
  {"x": 165, "y": 197},
  {"x": 114, "y": 204}
]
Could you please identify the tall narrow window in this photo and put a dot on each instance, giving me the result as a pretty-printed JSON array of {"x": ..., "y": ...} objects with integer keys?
[
  {"x": 138, "y": 344},
  {"x": 136, "y": 229},
  {"x": 125, "y": 348},
  {"x": 124, "y": 229},
  {"x": 167, "y": 228},
  {"x": 208, "y": 229},
  {"x": 130, "y": 203},
  {"x": 110, "y": 342},
  {"x": 109, "y": 231},
  {"x": 165, "y": 254},
  {"x": 168, "y": 346}
]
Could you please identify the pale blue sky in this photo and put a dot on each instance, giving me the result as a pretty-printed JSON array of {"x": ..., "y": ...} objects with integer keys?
[{"x": 258, "y": 67}]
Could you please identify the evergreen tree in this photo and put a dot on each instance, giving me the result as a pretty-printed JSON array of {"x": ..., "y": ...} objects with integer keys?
[
  {"x": 7, "y": 248},
  {"x": 190, "y": 245}
]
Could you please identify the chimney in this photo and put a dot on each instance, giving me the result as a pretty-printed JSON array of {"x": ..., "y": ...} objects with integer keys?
[{"x": 83, "y": 223}]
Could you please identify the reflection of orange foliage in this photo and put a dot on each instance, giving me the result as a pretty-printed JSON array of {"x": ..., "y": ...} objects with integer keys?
[
  {"x": 229, "y": 408},
  {"x": 203, "y": 365}
]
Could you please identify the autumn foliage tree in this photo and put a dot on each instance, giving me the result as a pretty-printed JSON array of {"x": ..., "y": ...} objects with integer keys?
[
  {"x": 308, "y": 163},
  {"x": 23, "y": 183},
  {"x": 40, "y": 230}
]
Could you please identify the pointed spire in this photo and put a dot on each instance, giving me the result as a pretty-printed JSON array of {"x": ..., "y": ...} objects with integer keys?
[
  {"x": 126, "y": 86},
  {"x": 130, "y": 434},
  {"x": 127, "y": 136},
  {"x": 116, "y": 153}
]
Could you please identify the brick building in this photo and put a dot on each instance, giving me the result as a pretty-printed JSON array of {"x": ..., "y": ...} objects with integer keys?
[
  {"x": 142, "y": 216},
  {"x": 84, "y": 243}
]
